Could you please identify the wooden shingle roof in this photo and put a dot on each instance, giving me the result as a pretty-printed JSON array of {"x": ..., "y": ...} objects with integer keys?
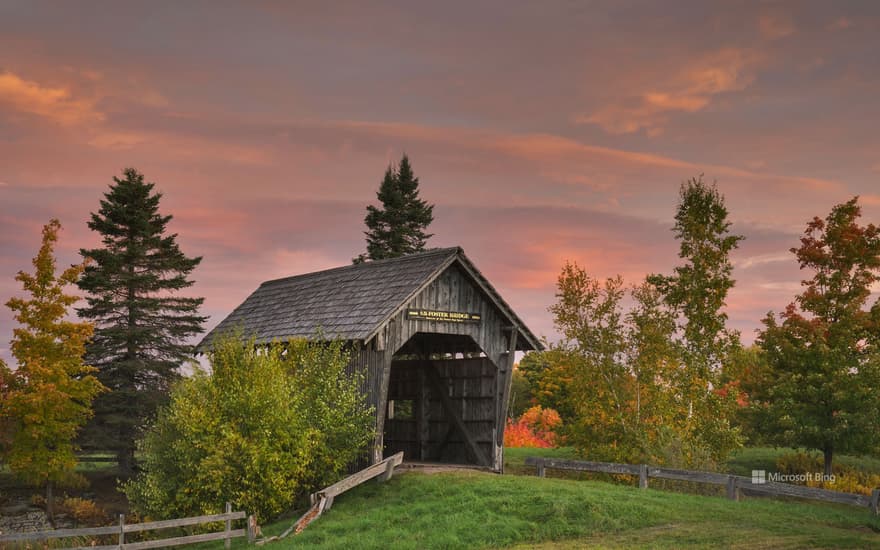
[{"x": 350, "y": 302}]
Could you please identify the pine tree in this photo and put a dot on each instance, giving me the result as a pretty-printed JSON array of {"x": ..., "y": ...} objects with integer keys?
[
  {"x": 398, "y": 227},
  {"x": 47, "y": 399},
  {"x": 142, "y": 322}
]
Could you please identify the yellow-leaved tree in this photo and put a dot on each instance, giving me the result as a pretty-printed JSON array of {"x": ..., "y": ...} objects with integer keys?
[{"x": 48, "y": 397}]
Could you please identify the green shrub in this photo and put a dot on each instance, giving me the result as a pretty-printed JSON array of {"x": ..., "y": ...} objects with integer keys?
[
  {"x": 846, "y": 479},
  {"x": 269, "y": 425}
]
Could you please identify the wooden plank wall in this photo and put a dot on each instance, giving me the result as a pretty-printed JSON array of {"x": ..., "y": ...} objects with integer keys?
[
  {"x": 453, "y": 290},
  {"x": 369, "y": 365},
  {"x": 471, "y": 386}
]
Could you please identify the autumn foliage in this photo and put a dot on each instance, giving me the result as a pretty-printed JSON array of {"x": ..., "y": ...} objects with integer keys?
[
  {"x": 537, "y": 427},
  {"x": 824, "y": 348},
  {"x": 47, "y": 399}
]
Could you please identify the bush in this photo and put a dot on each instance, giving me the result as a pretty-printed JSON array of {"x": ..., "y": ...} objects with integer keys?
[
  {"x": 846, "y": 478},
  {"x": 83, "y": 511},
  {"x": 535, "y": 428},
  {"x": 269, "y": 425}
]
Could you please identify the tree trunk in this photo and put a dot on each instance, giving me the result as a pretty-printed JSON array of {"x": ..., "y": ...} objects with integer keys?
[
  {"x": 828, "y": 451},
  {"x": 125, "y": 460},
  {"x": 50, "y": 504}
]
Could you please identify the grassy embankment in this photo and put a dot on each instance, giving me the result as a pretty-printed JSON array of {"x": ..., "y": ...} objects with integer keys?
[
  {"x": 480, "y": 510},
  {"x": 470, "y": 509}
]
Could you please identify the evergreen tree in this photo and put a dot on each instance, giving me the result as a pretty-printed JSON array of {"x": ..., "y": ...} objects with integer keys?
[
  {"x": 47, "y": 399},
  {"x": 142, "y": 322},
  {"x": 398, "y": 227}
]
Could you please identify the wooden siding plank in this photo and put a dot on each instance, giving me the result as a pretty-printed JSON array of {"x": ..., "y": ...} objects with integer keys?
[{"x": 473, "y": 447}]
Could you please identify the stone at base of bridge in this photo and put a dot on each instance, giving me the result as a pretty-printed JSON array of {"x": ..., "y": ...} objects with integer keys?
[{"x": 26, "y": 519}]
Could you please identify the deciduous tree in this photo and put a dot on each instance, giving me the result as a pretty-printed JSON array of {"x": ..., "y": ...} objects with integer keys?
[
  {"x": 588, "y": 314},
  {"x": 824, "y": 355},
  {"x": 550, "y": 374},
  {"x": 267, "y": 426},
  {"x": 654, "y": 358},
  {"x": 48, "y": 397},
  {"x": 697, "y": 293}
]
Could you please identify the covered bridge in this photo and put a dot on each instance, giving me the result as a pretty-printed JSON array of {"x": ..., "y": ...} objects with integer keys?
[{"x": 432, "y": 337}]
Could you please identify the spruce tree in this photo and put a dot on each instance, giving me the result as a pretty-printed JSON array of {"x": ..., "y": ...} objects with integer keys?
[
  {"x": 142, "y": 324},
  {"x": 397, "y": 228}
]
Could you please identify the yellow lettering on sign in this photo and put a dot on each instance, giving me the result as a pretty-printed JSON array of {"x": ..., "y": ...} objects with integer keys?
[{"x": 446, "y": 316}]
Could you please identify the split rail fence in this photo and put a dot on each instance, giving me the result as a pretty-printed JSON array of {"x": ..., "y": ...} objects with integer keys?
[
  {"x": 734, "y": 484},
  {"x": 227, "y": 534}
]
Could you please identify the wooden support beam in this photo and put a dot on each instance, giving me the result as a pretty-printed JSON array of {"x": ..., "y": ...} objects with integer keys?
[
  {"x": 422, "y": 412},
  {"x": 454, "y": 418},
  {"x": 381, "y": 404},
  {"x": 437, "y": 453},
  {"x": 384, "y": 468},
  {"x": 504, "y": 381}
]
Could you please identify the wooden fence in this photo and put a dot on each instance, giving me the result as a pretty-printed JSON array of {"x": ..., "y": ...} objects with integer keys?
[
  {"x": 227, "y": 534},
  {"x": 734, "y": 484},
  {"x": 323, "y": 499}
]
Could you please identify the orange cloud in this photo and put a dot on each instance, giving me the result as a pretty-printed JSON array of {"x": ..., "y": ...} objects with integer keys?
[
  {"x": 688, "y": 90},
  {"x": 56, "y": 104}
]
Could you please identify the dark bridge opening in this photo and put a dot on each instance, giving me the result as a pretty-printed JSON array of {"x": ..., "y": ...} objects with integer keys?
[{"x": 443, "y": 400}]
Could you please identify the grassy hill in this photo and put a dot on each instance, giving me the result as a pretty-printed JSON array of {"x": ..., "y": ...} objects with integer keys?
[{"x": 468, "y": 509}]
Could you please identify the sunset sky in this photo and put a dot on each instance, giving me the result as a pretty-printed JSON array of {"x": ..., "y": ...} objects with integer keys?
[{"x": 542, "y": 131}]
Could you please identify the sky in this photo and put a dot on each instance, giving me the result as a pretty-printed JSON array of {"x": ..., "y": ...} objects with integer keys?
[{"x": 543, "y": 132}]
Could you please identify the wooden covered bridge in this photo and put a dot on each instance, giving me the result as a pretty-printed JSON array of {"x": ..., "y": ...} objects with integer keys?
[{"x": 432, "y": 337}]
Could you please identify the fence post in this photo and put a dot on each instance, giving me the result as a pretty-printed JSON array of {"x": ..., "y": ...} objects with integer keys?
[
  {"x": 121, "y": 531},
  {"x": 875, "y": 502},
  {"x": 227, "y": 542},
  {"x": 539, "y": 467},
  {"x": 251, "y": 529},
  {"x": 732, "y": 489},
  {"x": 643, "y": 476},
  {"x": 389, "y": 471}
]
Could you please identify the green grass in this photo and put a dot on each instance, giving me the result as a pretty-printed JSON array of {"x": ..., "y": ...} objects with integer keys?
[
  {"x": 470, "y": 509},
  {"x": 480, "y": 510}
]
